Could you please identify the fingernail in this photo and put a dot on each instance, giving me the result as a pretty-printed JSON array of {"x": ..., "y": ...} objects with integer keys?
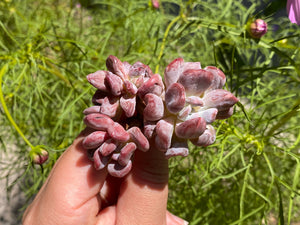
[{"x": 179, "y": 220}]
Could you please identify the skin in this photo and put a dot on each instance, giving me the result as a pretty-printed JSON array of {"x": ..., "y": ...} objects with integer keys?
[{"x": 76, "y": 193}]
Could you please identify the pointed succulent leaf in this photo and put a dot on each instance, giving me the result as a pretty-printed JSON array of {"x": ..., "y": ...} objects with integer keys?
[
  {"x": 97, "y": 79},
  {"x": 219, "y": 77},
  {"x": 100, "y": 161},
  {"x": 183, "y": 114},
  {"x": 115, "y": 66},
  {"x": 153, "y": 85},
  {"x": 110, "y": 106},
  {"x": 154, "y": 109},
  {"x": 196, "y": 82},
  {"x": 178, "y": 148},
  {"x": 92, "y": 109},
  {"x": 140, "y": 69},
  {"x": 94, "y": 139},
  {"x": 175, "y": 98},
  {"x": 209, "y": 115},
  {"x": 114, "y": 84},
  {"x": 128, "y": 105},
  {"x": 149, "y": 127},
  {"x": 139, "y": 139},
  {"x": 130, "y": 87},
  {"x": 173, "y": 71},
  {"x": 126, "y": 153},
  {"x": 191, "y": 66},
  {"x": 98, "y": 121},
  {"x": 220, "y": 99},
  {"x": 118, "y": 133},
  {"x": 190, "y": 128},
  {"x": 207, "y": 138},
  {"x": 164, "y": 132},
  {"x": 116, "y": 170},
  {"x": 194, "y": 101},
  {"x": 108, "y": 147}
]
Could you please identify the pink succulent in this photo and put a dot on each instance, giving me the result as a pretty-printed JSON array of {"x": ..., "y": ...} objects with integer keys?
[{"x": 293, "y": 10}]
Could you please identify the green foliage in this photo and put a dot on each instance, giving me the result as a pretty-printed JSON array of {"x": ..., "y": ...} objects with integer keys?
[{"x": 249, "y": 176}]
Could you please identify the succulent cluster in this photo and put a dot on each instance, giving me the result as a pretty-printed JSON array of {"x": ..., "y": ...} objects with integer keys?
[{"x": 132, "y": 105}]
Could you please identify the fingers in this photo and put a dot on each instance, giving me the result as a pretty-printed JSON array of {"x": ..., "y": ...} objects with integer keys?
[
  {"x": 144, "y": 192},
  {"x": 71, "y": 193},
  {"x": 175, "y": 220}
]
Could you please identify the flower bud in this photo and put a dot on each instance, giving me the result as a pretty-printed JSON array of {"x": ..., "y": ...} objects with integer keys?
[
  {"x": 258, "y": 28},
  {"x": 39, "y": 157}
]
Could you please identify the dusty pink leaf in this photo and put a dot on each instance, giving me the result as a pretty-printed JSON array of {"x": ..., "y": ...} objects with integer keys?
[
  {"x": 116, "y": 170},
  {"x": 194, "y": 101},
  {"x": 140, "y": 69},
  {"x": 179, "y": 148},
  {"x": 130, "y": 87},
  {"x": 115, "y": 66},
  {"x": 191, "y": 66},
  {"x": 97, "y": 79},
  {"x": 209, "y": 115},
  {"x": 110, "y": 106},
  {"x": 149, "y": 127},
  {"x": 196, "y": 82},
  {"x": 139, "y": 139},
  {"x": 183, "y": 114},
  {"x": 126, "y": 153},
  {"x": 98, "y": 121},
  {"x": 153, "y": 85},
  {"x": 173, "y": 71},
  {"x": 164, "y": 132},
  {"x": 190, "y": 128},
  {"x": 94, "y": 139},
  {"x": 100, "y": 161},
  {"x": 219, "y": 77},
  {"x": 220, "y": 99},
  {"x": 118, "y": 133},
  {"x": 108, "y": 147},
  {"x": 128, "y": 105},
  {"x": 224, "y": 114},
  {"x": 175, "y": 98},
  {"x": 207, "y": 138},
  {"x": 154, "y": 109},
  {"x": 92, "y": 109},
  {"x": 114, "y": 84}
]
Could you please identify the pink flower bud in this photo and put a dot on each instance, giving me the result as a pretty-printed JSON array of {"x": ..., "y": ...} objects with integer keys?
[
  {"x": 155, "y": 4},
  {"x": 258, "y": 28},
  {"x": 293, "y": 10},
  {"x": 39, "y": 157}
]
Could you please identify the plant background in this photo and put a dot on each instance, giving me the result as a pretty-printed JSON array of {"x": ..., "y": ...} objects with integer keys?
[{"x": 249, "y": 176}]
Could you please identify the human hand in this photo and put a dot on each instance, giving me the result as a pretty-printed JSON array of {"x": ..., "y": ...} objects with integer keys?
[{"x": 76, "y": 193}]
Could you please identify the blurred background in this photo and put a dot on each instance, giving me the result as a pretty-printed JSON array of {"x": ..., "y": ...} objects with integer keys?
[{"x": 249, "y": 176}]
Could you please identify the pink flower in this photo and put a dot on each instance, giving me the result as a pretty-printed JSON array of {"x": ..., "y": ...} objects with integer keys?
[
  {"x": 155, "y": 4},
  {"x": 258, "y": 28},
  {"x": 293, "y": 10}
]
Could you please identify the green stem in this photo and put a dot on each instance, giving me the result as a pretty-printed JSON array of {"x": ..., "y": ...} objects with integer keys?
[
  {"x": 164, "y": 40},
  {"x": 11, "y": 120}
]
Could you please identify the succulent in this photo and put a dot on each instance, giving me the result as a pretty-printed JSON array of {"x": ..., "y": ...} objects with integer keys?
[{"x": 132, "y": 105}]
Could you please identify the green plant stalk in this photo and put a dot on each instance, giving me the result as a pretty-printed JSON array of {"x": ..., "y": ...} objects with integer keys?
[
  {"x": 164, "y": 40},
  {"x": 9, "y": 117}
]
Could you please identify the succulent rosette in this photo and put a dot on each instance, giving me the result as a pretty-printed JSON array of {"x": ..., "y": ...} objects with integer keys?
[{"x": 133, "y": 105}]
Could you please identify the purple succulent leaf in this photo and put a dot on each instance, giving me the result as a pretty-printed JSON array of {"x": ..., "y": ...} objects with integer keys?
[
  {"x": 110, "y": 106},
  {"x": 209, "y": 115},
  {"x": 173, "y": 71},
  {"x": 196, "y": 82},
  {"x": 116, "y": 170},
  {"x": 92, "y": 109},
  {"x": 153, "y": 85},
  {"x": 164, "y": 132},
  {"x": 190, "y": 128},
  {"x": 118, "y": 133},
  {"x": 224, "y": 114},
  {"x": 154, "y": 109},
  {"x": 114, "y": 84},
  {"x": 108, "y": 147},
  {"x": 137, "y": 136},
  {"x": 100, "y": 161},
  {"x": 183, "y": 114},
  {"x": 130, "y": 87},
  {"x": 140, "y": 69},
  {"x": 94, "y": 139},
  {"x": 194, "y": 101},
  {"x": 220, "y": 99},
  {"x": 149, "y": 127},
  {"x": 191, "y": 66},
  {"x": 207, "y": 138},
  {"x": 97, "y": 79},
  {"x": 128, "y": 105},
  {"x": 126, "y": 153},
  {"x": 175, "y": 98},
  {"x": 98, "y": 121},
  {"x": 179, "y": 148},
  {"x": 115, "y": 66},
  {"x": 219, "y": 79}
]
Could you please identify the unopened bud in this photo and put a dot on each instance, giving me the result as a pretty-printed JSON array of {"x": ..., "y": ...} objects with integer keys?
[
  {"x": 40, "y": 157},
  {"x": 258, "y": 28}
]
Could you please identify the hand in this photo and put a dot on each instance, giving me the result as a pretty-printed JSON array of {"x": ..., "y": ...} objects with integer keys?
[{"x": 76, "y": 193}]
